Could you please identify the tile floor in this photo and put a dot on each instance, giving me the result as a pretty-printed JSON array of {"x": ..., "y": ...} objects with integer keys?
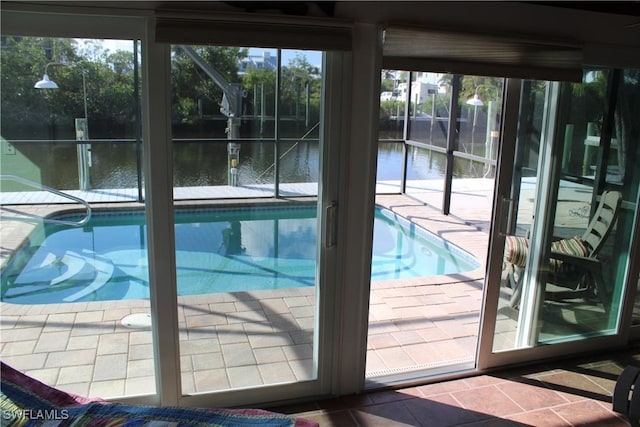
[{"x": 574, "y": 392}]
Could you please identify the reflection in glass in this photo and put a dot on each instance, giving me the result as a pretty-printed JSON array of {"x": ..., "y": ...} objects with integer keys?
[{"x": 579, "y": 279}]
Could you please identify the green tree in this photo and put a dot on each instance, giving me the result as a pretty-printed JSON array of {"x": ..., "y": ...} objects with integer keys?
[
  {"x": 27, "y": 111},
  {"x": 487, "y": 88},
  {"x": 300, "y": 89},
  {"x": 260, "y": 86},
  {"x": 107, "y": 79},
  {"x": 391, "y": 108},
  {"x": 390, "y": 79},
  {"x": 193, "y": 91},
  {"x": 387, "y": 83}
]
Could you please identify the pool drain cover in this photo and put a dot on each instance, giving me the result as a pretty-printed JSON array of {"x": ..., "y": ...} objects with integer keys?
[{"x": 137, "y": 321}]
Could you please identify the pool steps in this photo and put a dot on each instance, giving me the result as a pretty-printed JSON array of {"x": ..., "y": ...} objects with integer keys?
[
  {"x": 104, "y": 271},
  {"x": 74, "y": 263},
  {"x": 73, "y": 268}
]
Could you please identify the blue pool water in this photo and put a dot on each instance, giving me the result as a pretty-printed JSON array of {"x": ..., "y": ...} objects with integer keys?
[{"x": 217, "y": 250}]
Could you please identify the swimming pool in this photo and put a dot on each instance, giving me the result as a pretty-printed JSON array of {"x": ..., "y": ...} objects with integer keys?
[{"x": 217, "y": 250}]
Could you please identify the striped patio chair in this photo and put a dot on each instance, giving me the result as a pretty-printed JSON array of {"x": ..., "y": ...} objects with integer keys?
[{"x": 574, "y": 268}]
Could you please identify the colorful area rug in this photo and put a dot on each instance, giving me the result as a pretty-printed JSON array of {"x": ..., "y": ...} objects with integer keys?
[{"x": 25, "y": 401}]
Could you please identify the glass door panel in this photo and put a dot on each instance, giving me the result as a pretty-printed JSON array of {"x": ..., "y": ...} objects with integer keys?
[
  {"x": 75, "y": 292},
  {"x": 572, "y": 213},
  {"x": 245, "y": 257},
  {"x": 519, "y": 219},
  {"x": 427, "y": 268}
]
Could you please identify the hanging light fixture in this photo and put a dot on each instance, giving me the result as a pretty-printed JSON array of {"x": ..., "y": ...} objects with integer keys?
[
  {"x": 475, "y": 101},
  {"x": 46, "y": 83}
]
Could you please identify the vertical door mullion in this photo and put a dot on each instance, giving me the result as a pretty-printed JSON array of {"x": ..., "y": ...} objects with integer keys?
[
  {"x": 158, "y": 169},
  {"x": 542, "y": 226},
  {"x": 332, "y": 133},
  {"x": 357, "y": 211}
]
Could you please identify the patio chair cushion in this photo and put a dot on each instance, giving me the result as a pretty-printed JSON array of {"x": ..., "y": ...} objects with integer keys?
[
  {"x": 573, "y": 246},
  {"x": 516, "y": 249}
]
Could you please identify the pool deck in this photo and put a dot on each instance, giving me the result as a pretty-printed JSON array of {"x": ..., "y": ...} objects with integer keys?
[{"x": 230, "y": 340}]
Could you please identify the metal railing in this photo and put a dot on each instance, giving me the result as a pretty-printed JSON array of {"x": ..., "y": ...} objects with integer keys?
[{"x": 29, "y": 218}]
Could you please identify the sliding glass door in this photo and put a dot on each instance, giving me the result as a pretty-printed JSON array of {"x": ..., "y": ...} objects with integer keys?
[
  {"x": 212, "y": 275},
  {"x": 428, "y": 269},
  {"x": 247, "y": 283},
  {"x": 74, "y": 275},
  {"x": 565, "y": 214}
]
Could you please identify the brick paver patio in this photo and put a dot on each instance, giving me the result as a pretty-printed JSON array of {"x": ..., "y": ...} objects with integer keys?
[{"x": 230, "y": 340}]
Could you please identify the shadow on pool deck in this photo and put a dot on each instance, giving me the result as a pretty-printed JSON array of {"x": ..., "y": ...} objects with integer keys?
[{"x": 240, "y": 339}]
